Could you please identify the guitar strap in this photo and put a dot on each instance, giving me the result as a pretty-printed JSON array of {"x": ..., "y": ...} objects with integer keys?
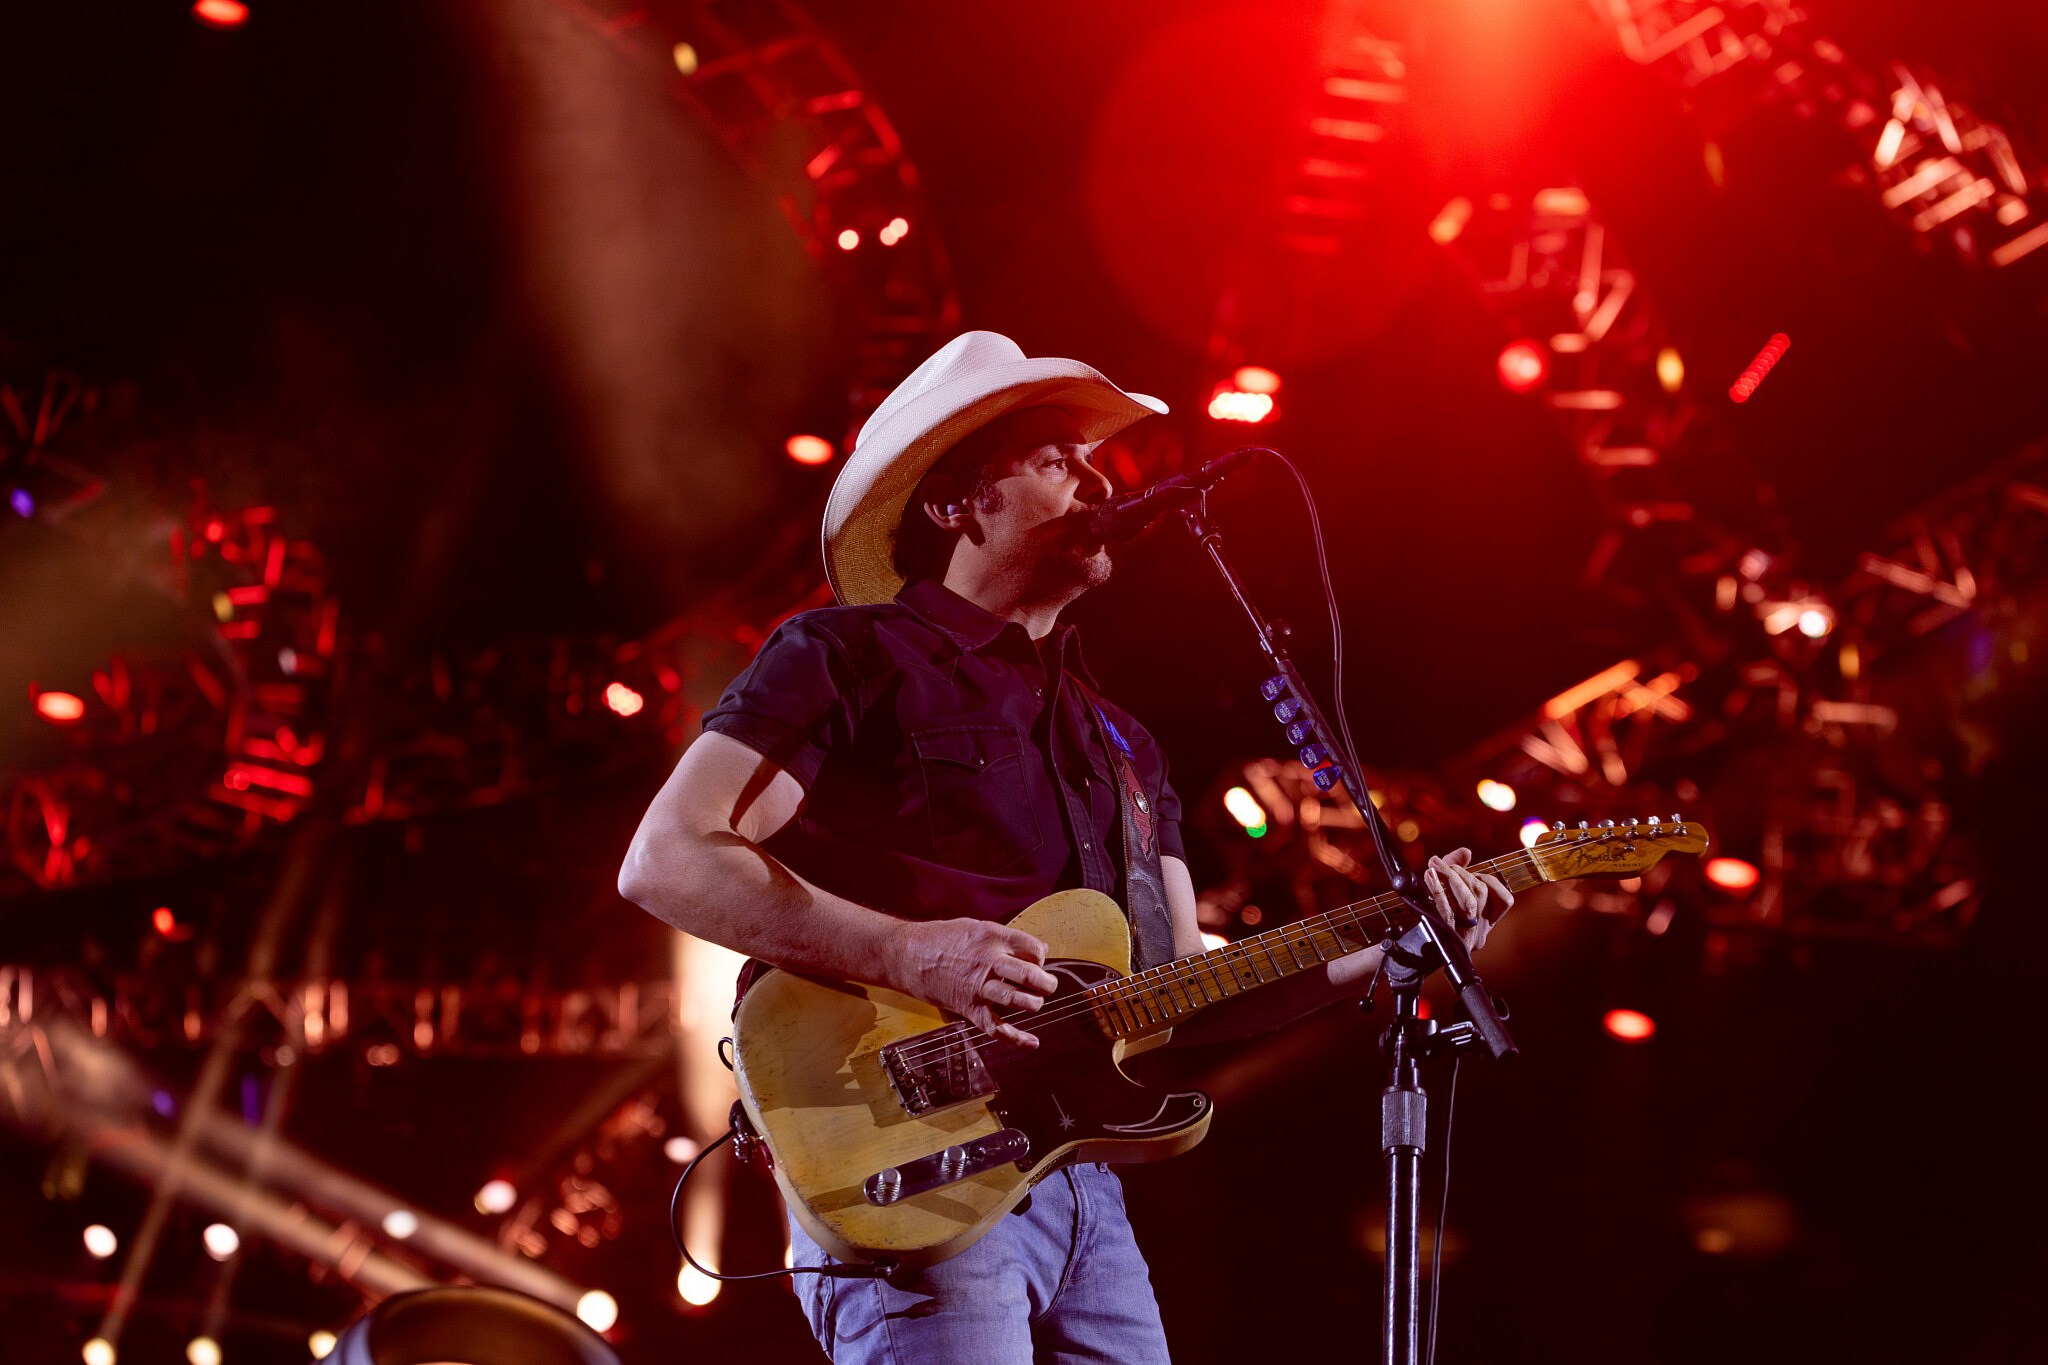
[{"x": 1144, "y": 882}]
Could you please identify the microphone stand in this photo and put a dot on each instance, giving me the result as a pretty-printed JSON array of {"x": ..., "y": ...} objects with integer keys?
[{"x": 1410, "y": 1038}]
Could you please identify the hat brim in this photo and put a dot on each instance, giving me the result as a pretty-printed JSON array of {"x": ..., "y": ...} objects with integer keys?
[{"x": 868, "y": 498}]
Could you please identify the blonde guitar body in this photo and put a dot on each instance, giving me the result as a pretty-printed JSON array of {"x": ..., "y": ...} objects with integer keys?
[{"x": 847, "y": 1084}]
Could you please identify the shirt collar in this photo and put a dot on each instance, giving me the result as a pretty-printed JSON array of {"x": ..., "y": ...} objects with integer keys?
[{"x": 970, "y": 627}]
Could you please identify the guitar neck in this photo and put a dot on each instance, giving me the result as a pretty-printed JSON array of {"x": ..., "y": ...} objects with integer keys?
[{"x": 1159, "y": 997}]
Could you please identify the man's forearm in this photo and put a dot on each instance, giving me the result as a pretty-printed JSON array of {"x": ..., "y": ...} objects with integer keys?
[
  {"x": 723, "y": 888},
  {"x": 1283, "y": 1002}
]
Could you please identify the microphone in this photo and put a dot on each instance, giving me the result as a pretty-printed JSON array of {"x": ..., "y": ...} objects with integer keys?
[{"x": 1120, "y": 519}]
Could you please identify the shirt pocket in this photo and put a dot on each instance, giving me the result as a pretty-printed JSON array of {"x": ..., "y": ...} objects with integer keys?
[{"x": 978, "y": 797}]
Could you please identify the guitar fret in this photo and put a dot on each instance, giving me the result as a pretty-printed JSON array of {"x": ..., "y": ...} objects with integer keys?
[{"x": 1147, "y": 1001}]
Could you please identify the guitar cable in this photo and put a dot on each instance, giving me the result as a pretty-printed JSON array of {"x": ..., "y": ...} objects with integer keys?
[{"x": 840, "y": 1270}]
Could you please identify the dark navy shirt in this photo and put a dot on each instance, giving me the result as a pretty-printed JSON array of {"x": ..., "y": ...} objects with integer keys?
[{"x": 951, "y": 766}]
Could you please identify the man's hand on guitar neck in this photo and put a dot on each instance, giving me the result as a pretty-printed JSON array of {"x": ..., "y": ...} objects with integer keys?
[
  {"x": 974, "y": 968},
  {"x": 1468, "y": 901}
]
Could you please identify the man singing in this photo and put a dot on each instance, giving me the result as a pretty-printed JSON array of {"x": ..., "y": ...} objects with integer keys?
[{"x": 894, "y": 777}]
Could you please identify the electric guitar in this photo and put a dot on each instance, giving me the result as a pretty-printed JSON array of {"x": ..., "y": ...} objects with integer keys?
[{"x": 900, "y": 1133}]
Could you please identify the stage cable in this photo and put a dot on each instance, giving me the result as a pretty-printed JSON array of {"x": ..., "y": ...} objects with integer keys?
[
  {"x": 836, "y": 1269},
  {"x": 1443, "y": 1208}
]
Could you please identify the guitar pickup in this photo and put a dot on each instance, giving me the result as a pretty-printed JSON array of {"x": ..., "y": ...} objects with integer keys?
[
  {"x": 947, "y": 1166},
  {"x": 929, "y": 1075}
]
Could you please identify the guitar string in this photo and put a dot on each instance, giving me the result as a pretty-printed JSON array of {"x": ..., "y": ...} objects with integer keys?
[{"x": 1186, "y": 974}]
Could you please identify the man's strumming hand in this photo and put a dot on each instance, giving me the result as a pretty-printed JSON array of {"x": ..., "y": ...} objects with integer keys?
[{"x": 974, "y": 968}]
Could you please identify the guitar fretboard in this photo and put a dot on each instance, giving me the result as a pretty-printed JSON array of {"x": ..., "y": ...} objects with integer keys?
[{"x": 1159, "y": 997}]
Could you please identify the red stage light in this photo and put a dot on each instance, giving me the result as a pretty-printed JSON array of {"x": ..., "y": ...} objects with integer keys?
[
  {"x": 1630, "y": 1026},
  {"x": 163, "y": 921},
  {"x": 1523, "y": 366},
  {"x": 623, "y": 699},
  {"x": 894, "y": 231},
  {"x": 59, "y": 708},
  {"x": 1732, "y": 874},
  {"x": 221, "y": 13},
  {"x": 809, "y": 449},
  {"x": 1255, "y": 379},
  {"x": 1230, "y": 405},
  {"x": 848, "y": 239},
  {"x": 1758, "y": 368}
]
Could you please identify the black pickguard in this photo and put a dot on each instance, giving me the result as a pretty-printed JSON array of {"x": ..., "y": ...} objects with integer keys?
[{"x": 1069, "y": 1090}]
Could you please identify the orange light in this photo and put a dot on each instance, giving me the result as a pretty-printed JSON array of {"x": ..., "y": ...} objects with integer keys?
[
  {"x": 623, "y": 699},
  {"x": 848, "y": 240},
  {"x": 1255, "y": 379},
  {"x": 1496, "y": 795},
  {"x": 1229, "y": 405},
  {"x": 59, "y": 708},
  {"x": 1523, "y": 366},
  {"x": 220, "y": 13},
  {"x": 1630, "y": 1026},
  {"x": 1732, "y": 874},
  {"x": 809, "y": 449}
]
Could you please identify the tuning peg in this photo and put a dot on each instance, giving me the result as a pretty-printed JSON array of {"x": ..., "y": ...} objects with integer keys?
[
  {"x": 1274, "y": 688},
  {"x": 1557, "y": 827},
  {"x": 1584, "y": 825},
  {"x": 1607, "y": 824},
  {"x": 1678, "y": 819}
]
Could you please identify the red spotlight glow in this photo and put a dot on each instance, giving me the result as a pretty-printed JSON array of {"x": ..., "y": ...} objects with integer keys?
[
  {"x": 1758, "y": 368},
  {"x": 623, "y": 699},
  {"x": 894, "y": 231},
  {"x": 848, "y": 239},
  {"x": 1230, "y": 405},
  {"x": 809, "y": 449},
  {"x": 59, "y": 708},
  {"x": 1630, "y": 1026},
  {"x": 1523, "y": 366},
  {"x": 163, "y": 921},
  {"x": 1255, "y": 379},
  {"x": 221, "y": 13},
  {"x": 1732, "y": 874}
]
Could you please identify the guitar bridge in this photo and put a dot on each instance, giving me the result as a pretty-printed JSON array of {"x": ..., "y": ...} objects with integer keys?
[
  {"x": 935, "y": 1070},
  {"x": 946, "y": 1166}
]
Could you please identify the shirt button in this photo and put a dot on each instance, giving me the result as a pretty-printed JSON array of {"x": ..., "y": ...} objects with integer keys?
[
  {"x": 1037, "y": 691},
  {"x": 1085, "y": 846}
]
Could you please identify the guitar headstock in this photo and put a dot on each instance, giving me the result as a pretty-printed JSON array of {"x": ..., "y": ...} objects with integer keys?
[{"x": 1613, "y": 850}]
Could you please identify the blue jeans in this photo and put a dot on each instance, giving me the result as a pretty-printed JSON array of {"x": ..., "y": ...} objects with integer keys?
[{"x": 1058, "y": 1284}]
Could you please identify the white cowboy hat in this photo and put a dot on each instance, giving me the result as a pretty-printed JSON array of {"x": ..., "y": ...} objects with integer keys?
[{"x": 968, "y": 383}]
